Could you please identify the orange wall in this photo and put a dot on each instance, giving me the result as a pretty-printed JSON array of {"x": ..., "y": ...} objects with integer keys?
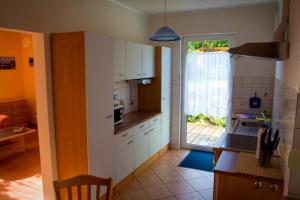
[
  {"x": 20, "y": 82},
  {"x": 11, "y": 81}
]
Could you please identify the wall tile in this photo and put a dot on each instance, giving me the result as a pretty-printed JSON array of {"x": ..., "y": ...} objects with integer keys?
[{"x": 122, "y": 90}]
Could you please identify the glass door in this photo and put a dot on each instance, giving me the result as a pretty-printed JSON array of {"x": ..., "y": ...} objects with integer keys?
[{"x": 207, "y": 73}]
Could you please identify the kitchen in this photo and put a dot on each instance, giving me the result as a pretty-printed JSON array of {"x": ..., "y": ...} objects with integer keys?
[{"x": 150, "y": 94}]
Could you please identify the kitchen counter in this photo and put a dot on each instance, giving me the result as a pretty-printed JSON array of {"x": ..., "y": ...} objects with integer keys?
[
  {"x": 133, "y": 118},
  {"x": 238, "y": 175},
  {"x": 245, "y": 164}
]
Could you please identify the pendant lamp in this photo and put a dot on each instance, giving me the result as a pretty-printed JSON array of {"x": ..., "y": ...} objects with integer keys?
[{"x": 165, "y": 34}]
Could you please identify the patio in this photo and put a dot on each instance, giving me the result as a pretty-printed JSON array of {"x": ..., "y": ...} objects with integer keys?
[{"x": 206, "y": 135}]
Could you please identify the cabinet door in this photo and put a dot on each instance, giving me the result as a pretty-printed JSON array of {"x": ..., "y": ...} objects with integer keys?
[
  {"x": 141, "y": 147},
  {"x": 154, "y": 139},
  {"x": 124, "y": 158},
  {"x": 148, "y": 61},
  {"x": 119, "y": 60},
  {"x": 99, "y": 88},
  {"x": 166, "y": 96},
  {"x": 133, "y": 60}
]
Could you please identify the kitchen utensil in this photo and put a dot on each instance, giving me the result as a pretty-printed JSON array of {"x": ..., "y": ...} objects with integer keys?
[
  {"x": 255, "y": 102},
  {"x": 276, "y": 143}
]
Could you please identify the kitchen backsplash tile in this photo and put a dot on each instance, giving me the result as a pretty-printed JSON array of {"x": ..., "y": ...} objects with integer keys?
[
  {"x": 127, "y": 91},
  {"x": 245, "y": 87}
]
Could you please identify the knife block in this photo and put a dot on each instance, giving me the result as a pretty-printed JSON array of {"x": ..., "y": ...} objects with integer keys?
[{"x": 265, "y": 158}]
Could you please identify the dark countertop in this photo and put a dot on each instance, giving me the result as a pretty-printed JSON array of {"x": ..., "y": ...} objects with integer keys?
[
  {"x": 236, "y": 142},
  {"x": 133, "y": 118}
]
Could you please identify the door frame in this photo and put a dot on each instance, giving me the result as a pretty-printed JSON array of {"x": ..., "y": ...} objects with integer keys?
[{"x": 183, "y": 123}]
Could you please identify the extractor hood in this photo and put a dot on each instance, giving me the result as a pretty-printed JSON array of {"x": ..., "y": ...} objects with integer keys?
[{"x": 276, "y": 50}]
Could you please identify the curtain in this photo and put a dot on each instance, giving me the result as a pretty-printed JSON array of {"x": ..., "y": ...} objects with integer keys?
[{"x": 207, "y": 83}]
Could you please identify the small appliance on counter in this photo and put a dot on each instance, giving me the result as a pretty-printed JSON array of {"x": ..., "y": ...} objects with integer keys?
[{"x": 118, "y": 111}]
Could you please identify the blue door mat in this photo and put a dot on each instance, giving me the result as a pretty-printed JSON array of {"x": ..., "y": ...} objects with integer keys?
[{"x": 198, "y": 160}]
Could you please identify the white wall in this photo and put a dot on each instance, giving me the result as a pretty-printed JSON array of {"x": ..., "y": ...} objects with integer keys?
[
  {"x": 74, "y": 15},
  {"x": 100, "y": 16},
  {"x": 285, "y": 98},
  {"x": 249, "y": 24}
]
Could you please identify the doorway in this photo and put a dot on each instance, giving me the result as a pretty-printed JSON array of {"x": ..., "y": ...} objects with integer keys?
[
  {"x": 207, "y": 71},
  {"x": 27, "y": 159}
]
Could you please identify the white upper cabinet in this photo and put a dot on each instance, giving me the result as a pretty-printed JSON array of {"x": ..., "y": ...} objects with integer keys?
[
  {"x": 119, "y": 60},
  {"x": 148, "y": 61},
  {"x": 133, "y": 60}
]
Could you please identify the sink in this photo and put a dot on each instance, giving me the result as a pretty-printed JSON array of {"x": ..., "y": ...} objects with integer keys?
[{"x": 254, "y": 124}]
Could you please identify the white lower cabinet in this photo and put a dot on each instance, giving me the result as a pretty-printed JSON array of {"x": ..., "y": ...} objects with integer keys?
[
  {"x": 154, "y": 139},
  {"x": 124, "y": 158},
  {"x": 141, "y": 150},
  {"x": 135, "y": 145}
]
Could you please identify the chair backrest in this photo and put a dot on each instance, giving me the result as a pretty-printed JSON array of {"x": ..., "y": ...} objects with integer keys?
[{"x": 83, "y": 180}]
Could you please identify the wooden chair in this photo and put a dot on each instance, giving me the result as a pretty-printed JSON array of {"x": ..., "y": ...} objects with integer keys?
[{"x": 83, "y": 180}]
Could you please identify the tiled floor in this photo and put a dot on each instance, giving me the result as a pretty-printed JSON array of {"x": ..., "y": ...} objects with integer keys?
[
  {"x": 166, "y": 181},
  {"x": 208, "y": 135},
  {"x": 20, "y": 177}
]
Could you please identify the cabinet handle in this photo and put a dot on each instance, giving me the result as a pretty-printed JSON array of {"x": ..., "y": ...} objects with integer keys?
[
  {"x": 146, "y": 133},
  {"x": 138, "y": 74},
  {"x": 108, "y": 116},
  {"x": 274, "y": 187},
  {"x": 125, "y": 135},
  {"x": 155, "y": 120},
  {"x": 141, "y": 126},
  {"x": 130, "y": 142},
  {"x": 258, "y": 184},
  {"x": 163, "y": 98},
  {"x": 152, "y": 129},
  {"x": 120, "y": 74}
]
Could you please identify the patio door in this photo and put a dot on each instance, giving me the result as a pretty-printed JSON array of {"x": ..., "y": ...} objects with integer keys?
[{"x": 207, "y": 71}]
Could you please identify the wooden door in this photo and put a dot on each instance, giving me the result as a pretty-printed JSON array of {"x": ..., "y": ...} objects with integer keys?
[
  {"x": 69, "y": 98},
  {"x": 133, "y": 60}
]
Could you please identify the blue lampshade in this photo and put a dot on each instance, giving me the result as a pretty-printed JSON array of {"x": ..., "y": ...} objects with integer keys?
[{"x": 165, "y": 34}]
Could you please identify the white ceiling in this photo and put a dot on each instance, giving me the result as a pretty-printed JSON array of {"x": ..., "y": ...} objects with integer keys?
[{"x": 153, "y": 7}]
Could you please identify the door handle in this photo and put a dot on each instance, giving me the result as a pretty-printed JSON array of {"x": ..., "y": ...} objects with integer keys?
[
  {"x": 108, "y": 116},
  {"x": 130, "y": 142}
]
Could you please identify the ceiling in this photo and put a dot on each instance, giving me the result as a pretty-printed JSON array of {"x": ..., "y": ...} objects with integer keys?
[{"x": 153, "y": 7}]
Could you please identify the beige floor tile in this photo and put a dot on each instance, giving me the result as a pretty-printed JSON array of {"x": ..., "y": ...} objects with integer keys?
[
  {"x": 206, "y": 173},
  {"x": 147, "y": 172},
  {"x": 201, "y": 184},
  {"x": 116, "y": 197},
  {"x": 180, "y": 188},
  {"x": 168, "y": 198},
  {"x": 191, "y": 174},
  {"x": 149, "y": 181},
  {"x": 190, "y": 196},
  {"x": 158, "y": 192},
  {"x": 133, "y": 195},
  {"x": 207, "y": 194},
  {"x": 170, "y": 176},
  {"x": 134, "y": 185},
  {"x": 210, "y": 178}
]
